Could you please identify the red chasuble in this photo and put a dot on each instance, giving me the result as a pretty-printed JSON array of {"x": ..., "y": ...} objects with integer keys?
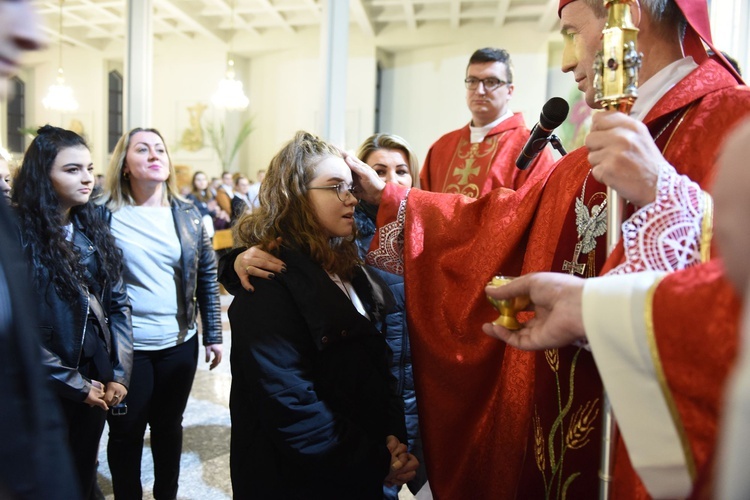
[
  {"x": 497, "y": 422},
  {"x": 455, "y": 165}
]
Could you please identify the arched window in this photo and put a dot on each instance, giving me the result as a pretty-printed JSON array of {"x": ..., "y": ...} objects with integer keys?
[
  {"x": 114, "y": 130},
  {"x": 17, "y": 116}
]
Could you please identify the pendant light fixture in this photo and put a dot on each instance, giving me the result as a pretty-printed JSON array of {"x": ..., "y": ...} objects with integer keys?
[
  {"x": 60, "y": 96},
  {"x": 230, "y": 95}
]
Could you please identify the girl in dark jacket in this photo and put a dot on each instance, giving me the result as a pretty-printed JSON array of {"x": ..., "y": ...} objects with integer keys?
[
  {"x": 394, "y": 161},
  {"x": 84, "y": 313},
  {"x": 205, "y": 202},
  {"x": 314, "y": 408}
]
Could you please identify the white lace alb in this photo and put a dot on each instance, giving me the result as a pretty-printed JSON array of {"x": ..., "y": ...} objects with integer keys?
[{"x": 665, "y": 235}]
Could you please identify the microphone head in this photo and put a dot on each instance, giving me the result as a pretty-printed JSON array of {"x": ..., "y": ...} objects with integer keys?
[{"x": 554, "y": 113}]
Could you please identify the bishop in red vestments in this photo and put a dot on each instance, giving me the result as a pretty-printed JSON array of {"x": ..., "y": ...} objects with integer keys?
[
  {"x": 502, "y": 423},
  {"x": 664, "y": 345}
]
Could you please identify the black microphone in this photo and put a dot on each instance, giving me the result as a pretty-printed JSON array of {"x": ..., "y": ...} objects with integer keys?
[{"x": 553, "y": 114}]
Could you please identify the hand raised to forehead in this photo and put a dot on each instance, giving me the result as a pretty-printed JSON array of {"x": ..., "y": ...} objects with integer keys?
[{"x": 366, "y": 179}]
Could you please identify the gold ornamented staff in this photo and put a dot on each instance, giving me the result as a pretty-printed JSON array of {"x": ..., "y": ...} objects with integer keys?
[{"x": 616, "y": 88}]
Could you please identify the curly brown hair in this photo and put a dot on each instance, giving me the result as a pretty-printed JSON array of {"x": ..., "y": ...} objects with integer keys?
[{"x": 285, "y": 210}]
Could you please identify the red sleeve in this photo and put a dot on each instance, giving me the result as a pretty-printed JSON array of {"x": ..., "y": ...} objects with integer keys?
[{"x": 695, "y": 324}]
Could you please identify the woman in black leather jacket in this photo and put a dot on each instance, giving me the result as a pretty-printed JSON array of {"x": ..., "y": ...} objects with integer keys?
[
  {"x": 84, "y": 313},
  {"x": 170, "y": 274}
]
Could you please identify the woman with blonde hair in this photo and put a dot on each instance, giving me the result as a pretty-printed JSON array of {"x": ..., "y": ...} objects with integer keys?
[
  {"x": 392, "y": 158},
  {"x": 394, "y": 161},
  {"x": 314, "y": 410},
  {"x": 170, "y": 274}
]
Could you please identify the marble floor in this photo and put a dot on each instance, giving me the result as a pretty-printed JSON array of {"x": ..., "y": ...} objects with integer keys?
[{"x": 204, "y": 470}]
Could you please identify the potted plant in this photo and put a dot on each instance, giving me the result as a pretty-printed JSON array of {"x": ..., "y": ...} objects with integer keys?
[{"x": 218, "y": 137}]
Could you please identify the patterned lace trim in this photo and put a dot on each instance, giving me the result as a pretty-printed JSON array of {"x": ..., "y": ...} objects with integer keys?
[
  {"x": 665, "y": 235},
  {"x": 389, "y": 255}
]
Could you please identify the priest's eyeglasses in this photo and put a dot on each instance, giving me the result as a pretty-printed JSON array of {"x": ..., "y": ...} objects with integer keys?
[
  {"x": 341, "y": 189},
  {"x": 490, "y": 84}
]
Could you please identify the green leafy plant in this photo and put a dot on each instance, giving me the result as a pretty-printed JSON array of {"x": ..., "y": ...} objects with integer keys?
[
  {"x": 218, "y": 138},
  {"x": 30, "y": 131}
]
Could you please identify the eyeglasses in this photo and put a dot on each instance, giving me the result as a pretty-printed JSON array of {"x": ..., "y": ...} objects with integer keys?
[
  {"x": 341, "y": 190},
  {"x": 490, "y": 84}
]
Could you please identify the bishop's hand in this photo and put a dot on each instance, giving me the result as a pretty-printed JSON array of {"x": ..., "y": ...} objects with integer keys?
[
  {"x": 624, "y": 156},
  {"x": 556, "y": 300},
  {"x": 369, "y": 184}
]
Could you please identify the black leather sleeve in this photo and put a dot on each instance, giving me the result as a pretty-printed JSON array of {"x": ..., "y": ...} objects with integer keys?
[
  {"x": 121, "y": 329},
  {"x": 208, "y": 290}
]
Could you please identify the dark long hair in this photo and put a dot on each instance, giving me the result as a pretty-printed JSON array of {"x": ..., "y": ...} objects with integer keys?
[{"x": 41, "y": 223}]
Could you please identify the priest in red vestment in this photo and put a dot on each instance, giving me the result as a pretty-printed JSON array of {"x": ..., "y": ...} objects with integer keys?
[
  {"x": 480, "y": 156},
  {"x": 664, "y": 345},
  {"x": 528, "y": 425}
]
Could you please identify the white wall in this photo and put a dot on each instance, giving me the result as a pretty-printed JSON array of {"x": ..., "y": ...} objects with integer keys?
[
  {"x": 85, "y": 72},
  {"x": 734, "y": 18},
  {"x": 285, "y": 96},
  {"x": 186, "y": 73}
]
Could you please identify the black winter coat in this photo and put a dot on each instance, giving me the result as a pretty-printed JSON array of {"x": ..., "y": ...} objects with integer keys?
[
  {"x": 35, "y": 461},
  {"x": 312, "y": 398}
]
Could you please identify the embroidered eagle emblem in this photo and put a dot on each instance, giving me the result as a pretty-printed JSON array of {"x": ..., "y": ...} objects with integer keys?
[{"x": 590, "y": 225}]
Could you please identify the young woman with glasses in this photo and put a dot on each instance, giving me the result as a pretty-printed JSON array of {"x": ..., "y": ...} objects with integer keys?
[
  {"x": 394, "y": 161},
  {"x": 314, "y": 408}
]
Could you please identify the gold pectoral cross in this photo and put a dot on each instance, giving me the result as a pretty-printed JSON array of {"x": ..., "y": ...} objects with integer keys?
[
  {"x": 466, "y": 171},
  {"x": 573, "y": 267}
]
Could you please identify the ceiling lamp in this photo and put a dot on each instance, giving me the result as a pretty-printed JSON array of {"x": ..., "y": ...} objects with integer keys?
[
  {"x": 230, "y": 95},
  {"x": 60, "y": 96}
]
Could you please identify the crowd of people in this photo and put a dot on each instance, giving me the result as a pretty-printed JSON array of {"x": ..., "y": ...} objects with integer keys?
[
  {"x": 358, "y": 359},
  {"x": 119, "y": 282}
]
